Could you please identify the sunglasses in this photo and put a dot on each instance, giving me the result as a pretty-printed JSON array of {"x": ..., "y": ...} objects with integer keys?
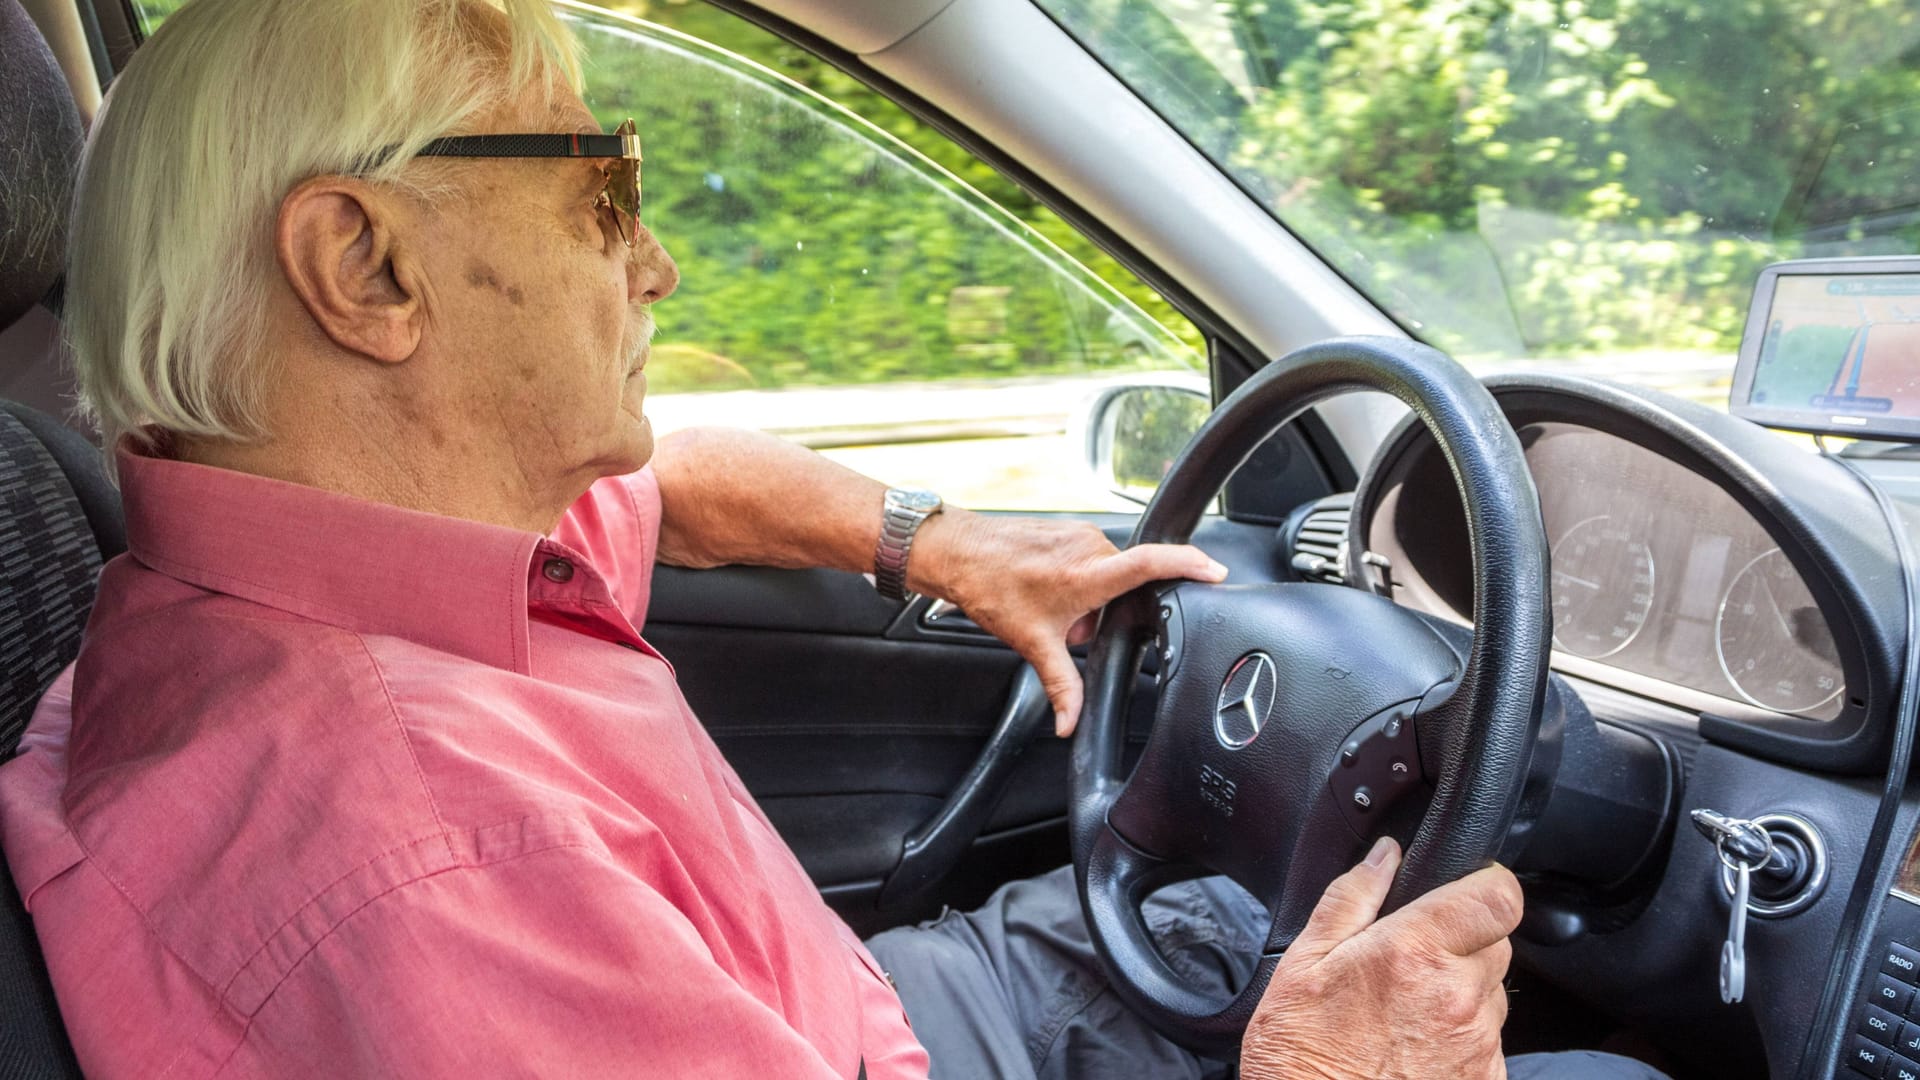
[{"x": 621, "y": 196}]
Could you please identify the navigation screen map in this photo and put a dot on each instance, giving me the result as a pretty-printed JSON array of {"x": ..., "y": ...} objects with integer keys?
[{"x": 1844, "y": 346}]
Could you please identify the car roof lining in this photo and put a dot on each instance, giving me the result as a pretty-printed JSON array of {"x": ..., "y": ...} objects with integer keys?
[{"x": 858, "y": 26}]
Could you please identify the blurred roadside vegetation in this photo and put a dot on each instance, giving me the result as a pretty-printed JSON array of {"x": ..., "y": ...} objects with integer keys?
[
  {"x": 1511, "y": 178},
  {"x": 1528, "y": 178},
  {"x": 701, "y": 20},
  {"x": 814, "y": 253}
]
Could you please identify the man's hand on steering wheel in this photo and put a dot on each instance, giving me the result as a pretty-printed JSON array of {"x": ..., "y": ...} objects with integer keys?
[
  {"x": 1429, "y": 974},
  {"x": 1038, "y": 585}
]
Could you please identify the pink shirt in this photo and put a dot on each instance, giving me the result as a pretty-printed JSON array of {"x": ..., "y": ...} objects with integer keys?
[{"x": 340, "y": 789}]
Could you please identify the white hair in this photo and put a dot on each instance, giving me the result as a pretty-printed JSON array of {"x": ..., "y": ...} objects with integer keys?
[{"x": 227, "y": 108}]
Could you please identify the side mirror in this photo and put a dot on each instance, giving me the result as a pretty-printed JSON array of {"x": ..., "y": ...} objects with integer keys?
[{"x": 1133, "y": 433}]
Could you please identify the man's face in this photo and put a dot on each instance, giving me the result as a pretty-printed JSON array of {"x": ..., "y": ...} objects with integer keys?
[{"x": 538, "y": 310}]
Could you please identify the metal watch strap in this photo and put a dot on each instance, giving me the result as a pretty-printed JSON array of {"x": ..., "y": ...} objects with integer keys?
[{"x": 898, "y": 524}]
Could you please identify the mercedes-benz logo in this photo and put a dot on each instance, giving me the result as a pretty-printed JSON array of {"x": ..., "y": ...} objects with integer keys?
[{"x": 1246, "y": 698}]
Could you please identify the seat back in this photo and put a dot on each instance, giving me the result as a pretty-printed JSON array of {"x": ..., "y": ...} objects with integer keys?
[
  {"x": 58, "y": 515},
  {"x": 49, "y": 561}
]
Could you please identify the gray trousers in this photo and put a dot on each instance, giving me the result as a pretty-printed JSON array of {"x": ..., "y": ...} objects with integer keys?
[{"x": 1012, "y": 991}]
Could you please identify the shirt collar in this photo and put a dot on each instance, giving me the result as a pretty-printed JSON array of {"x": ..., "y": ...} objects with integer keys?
[{"x": 447, "y": 583}]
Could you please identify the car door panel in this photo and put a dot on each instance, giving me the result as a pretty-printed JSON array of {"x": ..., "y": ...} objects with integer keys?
[{"x": 850, "y": 719}]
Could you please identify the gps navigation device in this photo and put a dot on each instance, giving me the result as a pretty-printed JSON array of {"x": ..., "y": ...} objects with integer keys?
[{"x": 1832, "y": 346}]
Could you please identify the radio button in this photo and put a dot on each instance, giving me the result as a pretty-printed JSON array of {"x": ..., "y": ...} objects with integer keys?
[{"x": 1901, "y": 962}]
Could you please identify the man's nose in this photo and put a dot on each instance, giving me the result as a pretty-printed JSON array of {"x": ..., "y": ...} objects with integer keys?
[{"x": 654, "y": 275}]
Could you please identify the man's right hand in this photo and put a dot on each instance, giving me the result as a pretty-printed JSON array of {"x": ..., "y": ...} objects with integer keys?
[{"x": 1416, "y": 994}]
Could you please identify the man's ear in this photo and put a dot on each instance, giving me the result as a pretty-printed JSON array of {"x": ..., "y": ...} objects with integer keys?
[{"x": 334, "y": 242}]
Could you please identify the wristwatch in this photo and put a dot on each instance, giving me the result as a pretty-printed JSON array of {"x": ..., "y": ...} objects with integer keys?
[{"x": 901, "y": 514}]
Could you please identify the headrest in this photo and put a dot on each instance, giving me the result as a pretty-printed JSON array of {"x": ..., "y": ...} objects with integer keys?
[{"x": 39, "y": 153}]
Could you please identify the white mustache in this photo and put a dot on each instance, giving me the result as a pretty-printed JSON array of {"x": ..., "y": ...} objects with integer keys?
[{"x": 641, "y": 340}]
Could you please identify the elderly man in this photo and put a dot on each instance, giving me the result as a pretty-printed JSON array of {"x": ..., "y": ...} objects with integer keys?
[{"x": 365, "y": 768}]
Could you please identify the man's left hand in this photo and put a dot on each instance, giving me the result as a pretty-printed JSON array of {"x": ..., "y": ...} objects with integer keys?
[{"x": 1039, "y": 585}]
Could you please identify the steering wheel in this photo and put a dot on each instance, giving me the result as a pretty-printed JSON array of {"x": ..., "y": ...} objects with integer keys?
[{"x": 1297, "y": 722}]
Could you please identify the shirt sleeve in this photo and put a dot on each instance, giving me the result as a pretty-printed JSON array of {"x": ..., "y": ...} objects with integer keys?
[{"x": 547, "y": 964}]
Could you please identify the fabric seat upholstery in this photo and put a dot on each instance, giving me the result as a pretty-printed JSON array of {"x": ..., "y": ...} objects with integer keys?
[
  {"x": 59, "y": 517},
  {"x": 49, "y": 561}
]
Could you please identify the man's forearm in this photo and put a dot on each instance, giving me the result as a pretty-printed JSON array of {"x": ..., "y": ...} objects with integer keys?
[
  {"x": 742, "y": 497},
  {"x": 729, "y": 496}
]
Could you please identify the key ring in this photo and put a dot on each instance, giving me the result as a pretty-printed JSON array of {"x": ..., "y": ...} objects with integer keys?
[{"x": 1761, "y": 835}]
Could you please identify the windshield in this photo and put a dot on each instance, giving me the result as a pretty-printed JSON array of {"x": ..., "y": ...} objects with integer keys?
[{"x": 1596, "y": 184}]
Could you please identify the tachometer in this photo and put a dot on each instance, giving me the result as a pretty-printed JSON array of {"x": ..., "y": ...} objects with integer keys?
[
  {"x": 1775, "y": 648},
  {"x": 1602, "y": 587}
]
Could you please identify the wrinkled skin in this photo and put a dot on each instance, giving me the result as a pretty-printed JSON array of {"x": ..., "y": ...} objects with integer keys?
[
  {"x": 1414, "y": 995},
  {"x": 1038, "y": 585}
]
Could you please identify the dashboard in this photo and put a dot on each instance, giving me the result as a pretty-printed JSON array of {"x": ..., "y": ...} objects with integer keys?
[
  {"x": 1735, "y": 600},
  {"x": 1660, "y": 581},
  {"x": 1696, "y": 560}
]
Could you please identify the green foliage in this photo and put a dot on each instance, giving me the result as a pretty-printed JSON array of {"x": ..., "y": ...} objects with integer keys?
[
  {"x": 152, "y": 13},
  {"x": 1508, "y": 177},
  {"x": 1531, "y": 177},
  {"x": 707, "y": 23},
  {"x": 813, "y": 251}
]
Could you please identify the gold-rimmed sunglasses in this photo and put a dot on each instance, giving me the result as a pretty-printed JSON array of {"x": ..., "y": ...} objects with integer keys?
[{"x": 622, "y": 193}]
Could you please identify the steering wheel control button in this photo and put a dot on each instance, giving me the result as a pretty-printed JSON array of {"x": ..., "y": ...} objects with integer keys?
[
  {"x": 1901, "y": 962},
  {"x": 558, "y": 571},
  {"x": 1246, "y": 700},
  {"x": 1168, "y": 640},
  {"x": 1900, "y": 1068},
  {"x": 1378, "y": 764}
]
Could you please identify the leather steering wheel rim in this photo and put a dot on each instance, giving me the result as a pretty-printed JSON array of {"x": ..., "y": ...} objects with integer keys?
[{"x": 1483, "y": 727}]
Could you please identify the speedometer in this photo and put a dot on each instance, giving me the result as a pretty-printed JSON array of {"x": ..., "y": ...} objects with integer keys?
[
  {"x": 1602, "y": 587},
  {"x": 1775, "y": 648}
]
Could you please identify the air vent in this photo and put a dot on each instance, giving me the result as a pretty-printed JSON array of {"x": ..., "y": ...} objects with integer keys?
[{"x": 1315, "y": 538}]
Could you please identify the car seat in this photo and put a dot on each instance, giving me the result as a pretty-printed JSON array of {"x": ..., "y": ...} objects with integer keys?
[{"x": 59, "y": 516}]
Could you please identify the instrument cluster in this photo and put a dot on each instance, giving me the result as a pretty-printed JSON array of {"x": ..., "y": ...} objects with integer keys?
[{"x": 1660, "y": 580}]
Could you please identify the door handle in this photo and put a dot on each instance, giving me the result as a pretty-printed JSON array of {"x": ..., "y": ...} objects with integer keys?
[{"x": 930, "y": 852}]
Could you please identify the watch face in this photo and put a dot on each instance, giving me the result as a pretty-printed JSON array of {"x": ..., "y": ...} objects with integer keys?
[{"x": 916, "y": 499}]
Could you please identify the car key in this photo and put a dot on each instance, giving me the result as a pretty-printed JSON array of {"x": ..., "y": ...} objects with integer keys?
[
  {"x": 1743, "y": 846},
  {"x": 1745, "y": 840},
  {"x": 1733, "y": 953}
]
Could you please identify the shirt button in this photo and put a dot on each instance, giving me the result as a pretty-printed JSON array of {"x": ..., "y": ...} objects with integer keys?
[{"x": 558, "y": 571}]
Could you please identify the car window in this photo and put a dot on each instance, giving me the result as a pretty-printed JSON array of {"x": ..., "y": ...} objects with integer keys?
[
  {"x": 1594, "y": 184},
  {"x": 842, "y": 289}
]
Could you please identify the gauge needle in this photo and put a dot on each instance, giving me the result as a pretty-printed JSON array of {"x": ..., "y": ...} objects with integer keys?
[
  {"x": 1785, "y": 626},
  {"x": 1577, "y": 581}
]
